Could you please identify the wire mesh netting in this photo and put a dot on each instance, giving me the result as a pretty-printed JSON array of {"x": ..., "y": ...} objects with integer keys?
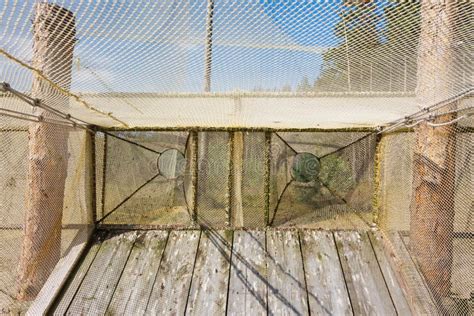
[
  {"x": 426, "y": 207},
  {"x": 17, "y": 220},
  {"x": 323, "y": 180},
  {"x": 239, "y": 114},
  {"x": 310, "y": 179},
  {"x": 145, "y": 64},
  {"x": 143, "y": 177}
]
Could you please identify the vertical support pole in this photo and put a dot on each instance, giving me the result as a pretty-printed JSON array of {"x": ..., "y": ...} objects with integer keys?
[
  {"x": 237, "y": 163},
  {"x": 432, "y": 207},
  {"x": 194, "y": 176},
  {"x": 54, "y": 37},
  {"x": 208, "y": 46},
  {"x": 346, "y": 39},
  {"x": 104, "y": 176},
  {"x": 90, "y": 175},
  {"x": 268, "y": 154},
  {"x": 230, "y": 168},
  {"x": 376, "y": 207}
]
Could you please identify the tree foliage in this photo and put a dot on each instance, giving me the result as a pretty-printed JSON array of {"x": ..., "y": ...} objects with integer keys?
[{"x": 376, "y": 48}]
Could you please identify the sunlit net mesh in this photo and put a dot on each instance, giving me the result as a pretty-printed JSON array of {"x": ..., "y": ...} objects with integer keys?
[
  {"x": 144, "y": 178},
  {"x": 242, "y": 114},
  {"x": 450, "y": 252},
  {"x": 329, "y": 188},
  {"x": 14, "y": 184},
  {"x": 144, "y": 64}
]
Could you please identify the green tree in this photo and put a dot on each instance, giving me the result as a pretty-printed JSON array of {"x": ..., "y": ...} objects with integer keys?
[
  {"x": 377, "y": 52},
  {"x": 343, "y": 66}
]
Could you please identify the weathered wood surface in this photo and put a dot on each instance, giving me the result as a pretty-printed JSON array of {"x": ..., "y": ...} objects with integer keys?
[
  {"x": 171, "y": 288},
  {"x": 237, "y": 214},
  {"x": 248, "y": 276},
  {"x": 286, "y": 283},
  {"x": 135, "y": 285},
  {"x": 73, "y": 285},
  {"x": 60, "y": 274},
  {"x": 53, "y": 45},
  {"x": 391, "y": 281},
  {"x": 434, "y": 177},
  {"x": 208, "y": 293},
  {"x": 365, "y": 282},
  {"x": 247, "y": 273},
  {"x": 98, "y": 286},
  {"x": 418, "y": 295},
  {"x": 327, "y": 290}
]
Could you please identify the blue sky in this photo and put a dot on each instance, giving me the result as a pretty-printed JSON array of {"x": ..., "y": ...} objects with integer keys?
[{"x": 159, "y": 46}]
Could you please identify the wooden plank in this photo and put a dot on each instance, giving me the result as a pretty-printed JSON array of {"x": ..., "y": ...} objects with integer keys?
[
  {"x": 135, "y": 285},
  {"x": 327, "y": 292},
  {"x": 173, "y": 279},
  {"x": 393, "y": 286},
  {"x": 286, "y": 283},
  {"x": 99, "y": 284},
  {"x": 70, "y": 288},
  {"x": 418, "y": 296},
  {"x": 248, "y": 275},
  {"x": 368, "y": 292},
  {"x": 60, "y": 274},
  {"x": 208, "y": 293}
]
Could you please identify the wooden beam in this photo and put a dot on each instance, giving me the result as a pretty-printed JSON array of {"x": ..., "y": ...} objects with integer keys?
[
  {"x": 287, "y": 294},
  {"x": 327, "y": 292},
  {"x": 237, "y": 170},
  {"x": 397, "y": 293},
  {"x": 432, "y": 207},
  {"x": 365, "y": 283},
  {"x": 248, "y": 276},
  {"x": 68, "y": 291},
  {"x": 54, "y": 37},
  {"x": 411, "y": 282},
  {"x": 209, "y": 285},
  {"x": 90, "y": 176},
  {"x": 100, "y": 282},
  {"x": 58, "y": 278},
  {"x": 136, "y": 282},
  {"x": 173, "y": 277}
]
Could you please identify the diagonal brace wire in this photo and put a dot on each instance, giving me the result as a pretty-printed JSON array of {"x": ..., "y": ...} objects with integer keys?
[{"x": 127, "y": 198}]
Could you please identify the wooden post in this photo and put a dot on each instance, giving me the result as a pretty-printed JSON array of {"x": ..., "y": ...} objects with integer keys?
[
  {"x": 432, "y": 207},
  {"x": 90, "y": 174},
  {"x": 194, "y": 170},
  {"x": 54, "y": 37},
  {"x": 267, "y": 177},
  {"x": 237, "y": 170}
]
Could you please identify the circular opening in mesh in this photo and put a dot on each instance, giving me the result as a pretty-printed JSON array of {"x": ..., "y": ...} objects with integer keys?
[
  {"x": 171, "y": 164},
  {"x": 305, "y": 167}
]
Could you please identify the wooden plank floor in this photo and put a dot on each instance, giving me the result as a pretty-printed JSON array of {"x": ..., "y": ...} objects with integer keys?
[{"x": 274, "y": 272}]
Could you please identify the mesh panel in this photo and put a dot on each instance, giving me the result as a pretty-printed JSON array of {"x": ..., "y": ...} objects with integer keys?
[
  {"x": 17, "y": 289},
  {"x": 212, "y": 188},
  {"x": 440, "y": 244},
  {"x": 140, "y": 165},
  {"x": 336, "y": 193},
  {"x": 144, "y": 178},
  {"x": 100, "y": 157},
  {"x": 231, "y": 73},
  {"x": 253, "y": 180},
  {"x": 143, "y": 64}
]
